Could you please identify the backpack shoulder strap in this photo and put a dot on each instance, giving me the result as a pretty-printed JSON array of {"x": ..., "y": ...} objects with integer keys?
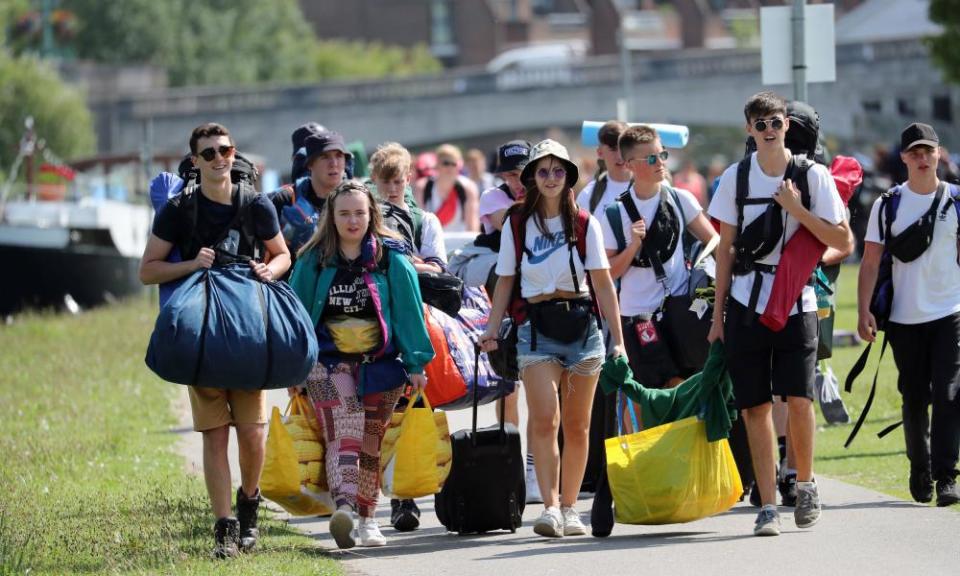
[
  {"x": 580, "y": 232},
  {"x": 743, "y": 189},
  {"x": 629, "y": 205},
  {"x": 676, "y": 200},
  {"x": 890, "y": 201},
  {"x": 427, "y": 193},
  {"x": 801, "y": 168},
  {"x": 599, "y": 187},
  {"x": 416, "y": 214},
  {"x": 616, "y": 224},
  {"x": 461, "y": 192}
]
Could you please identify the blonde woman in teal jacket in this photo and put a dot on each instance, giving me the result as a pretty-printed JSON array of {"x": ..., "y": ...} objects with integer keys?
[{"x": 363, "y": 297}]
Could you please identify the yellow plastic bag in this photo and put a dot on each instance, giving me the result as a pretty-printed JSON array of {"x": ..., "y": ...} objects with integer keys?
[
  {"x": 671, "y": 474},
  {"x": 416, "y": 455},
  {"x": 293, "y": 464}
]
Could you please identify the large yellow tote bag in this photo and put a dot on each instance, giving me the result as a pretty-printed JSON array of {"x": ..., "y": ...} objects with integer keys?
[
  {"x": 415, "y": 456},
  {"x": 671, "y": 474}
]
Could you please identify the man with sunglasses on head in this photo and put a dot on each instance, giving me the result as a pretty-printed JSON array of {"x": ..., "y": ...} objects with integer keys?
[
  {"x": 211, "y": 223},
  {"x": 761, "y": 202}
]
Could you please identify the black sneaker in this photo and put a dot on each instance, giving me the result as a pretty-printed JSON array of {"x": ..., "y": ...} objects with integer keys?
[
  {"x": 247, "y": 515},
  {"x": 788, "y": 490},
  {"x": 226, "y": 533},
  {"x": 404, "y": 515},
  {"x": 947, "y": 493},
  {"x": 921, "y": 485}
]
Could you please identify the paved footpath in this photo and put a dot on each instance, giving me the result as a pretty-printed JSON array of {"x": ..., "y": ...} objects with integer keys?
[{"x": 860, "y": 532}]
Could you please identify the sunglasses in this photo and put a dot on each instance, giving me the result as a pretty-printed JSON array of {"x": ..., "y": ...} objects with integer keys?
[
  {"x": 557, "y": 173},
  {"x": 652, "y": 158},
  {"x": 761, "y": 125},
  {"x": 209, "y": 154},
  {"x": 448, "y": 163}
]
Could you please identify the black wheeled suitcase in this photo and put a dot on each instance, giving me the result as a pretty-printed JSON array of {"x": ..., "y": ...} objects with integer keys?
[{"x": 485, "y": 489}]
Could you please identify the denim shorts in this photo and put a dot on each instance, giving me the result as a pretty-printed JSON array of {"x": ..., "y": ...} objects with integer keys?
[{"x": 577, "y": 357}]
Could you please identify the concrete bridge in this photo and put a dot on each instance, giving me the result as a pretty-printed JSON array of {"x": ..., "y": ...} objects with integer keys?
[{"x": 879, "y": 88}]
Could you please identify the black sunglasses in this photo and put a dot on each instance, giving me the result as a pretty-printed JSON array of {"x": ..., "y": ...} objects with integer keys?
[
  {"x": 761, "y": 124},
  {"x": 209, "y": 154}
]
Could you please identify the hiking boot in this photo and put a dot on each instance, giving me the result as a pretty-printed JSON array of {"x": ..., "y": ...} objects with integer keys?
[
  {"x": 226, "y": 534},
  {"x": 788, "y": 490},
  {"x": 532, "y": 488},
  {"x": 768, "y": 522},
  {"x": 807, "y": 512},
  {"x": 341, "y": 528},
  {"x": 572, "y": 525},
  {"x": 404, "y": 515},
  {"x": 921, "y": 485},
  {"x": 368, "y": 533},
  {"x": 947, "y": 493},
  {"x": 247, "y": 508},
  {"x": 550, "y": 523}
]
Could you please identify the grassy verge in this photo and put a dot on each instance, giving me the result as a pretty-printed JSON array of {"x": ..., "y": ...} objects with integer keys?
[
  {"x": 91, "y": 479},
  {"x": 880, "y": 464}
]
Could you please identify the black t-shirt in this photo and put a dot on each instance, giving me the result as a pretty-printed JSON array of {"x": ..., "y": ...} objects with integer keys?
[
  {"x": 213, "y": 219},
  {"x": 349, "y": 295}
]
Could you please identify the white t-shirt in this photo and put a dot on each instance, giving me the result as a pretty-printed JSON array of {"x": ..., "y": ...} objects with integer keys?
[
  {"x": 928, "y": 288},
  {"x": 492, "y": 200},
  {"x": 825, "y": 203},
  {"x": 546, "y": 268},
  {"x": 431, "y": 238},
  {"x": 640, "y": 292},
  {"x": 614, "y": 189}
]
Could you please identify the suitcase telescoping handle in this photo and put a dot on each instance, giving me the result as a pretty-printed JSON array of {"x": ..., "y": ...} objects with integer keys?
[{"x": 476, "y": 395}]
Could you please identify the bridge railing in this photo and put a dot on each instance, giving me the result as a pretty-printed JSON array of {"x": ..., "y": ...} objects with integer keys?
[{"x": 597, "y": 71}]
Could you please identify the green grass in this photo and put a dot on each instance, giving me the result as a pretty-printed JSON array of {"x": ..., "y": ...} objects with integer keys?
[
  {"x": 880, "y": 464},
  {"x": 91, "y": 480}
]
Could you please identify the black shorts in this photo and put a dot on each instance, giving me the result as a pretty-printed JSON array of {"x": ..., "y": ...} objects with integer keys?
[
  {"x": 763, "y": 363},
  {"x": 651, "y": 361}
]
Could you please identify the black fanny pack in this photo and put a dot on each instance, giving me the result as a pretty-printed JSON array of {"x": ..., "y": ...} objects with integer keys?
[
  {"x": 758, "y": 239},
  {"x": 565, "y": 321},
  {"x": 910, "y": 244}
]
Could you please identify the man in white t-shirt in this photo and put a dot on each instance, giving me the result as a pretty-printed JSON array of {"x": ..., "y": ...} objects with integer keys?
[
  {"x": 615, "y": 177},
  {"x": 763, "y": 363},
  {"x": 924, "y": 322}
]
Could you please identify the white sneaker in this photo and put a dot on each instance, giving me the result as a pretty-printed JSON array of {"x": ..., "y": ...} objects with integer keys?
[
  {"x": 572, "y": 526},
  {"x": 368, "y": 533},
  {"x": 341, "y": 528},
  {"x": 533, "y": 489},
  {"x": 550, "y": 523}
]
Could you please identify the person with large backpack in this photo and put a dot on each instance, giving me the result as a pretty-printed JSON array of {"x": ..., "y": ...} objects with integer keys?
[
  {"x": 450, "y": 195},
  {"x": 553, "y": 275},
  {"x": 363, "y": 297},
  {"x": 300, "y": 204},
  {"x": 761, "y": 202},
  {"x": 909, "y": 286},
  {"x": 211, "y": 222},
  {"x": 613, "y": 177}
]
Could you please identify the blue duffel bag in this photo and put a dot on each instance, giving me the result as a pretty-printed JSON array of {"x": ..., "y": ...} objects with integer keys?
[{"x": 224, "y": 328}]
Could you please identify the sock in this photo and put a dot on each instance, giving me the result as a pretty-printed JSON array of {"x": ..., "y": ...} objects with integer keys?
[{"x": 529, "y": 460}]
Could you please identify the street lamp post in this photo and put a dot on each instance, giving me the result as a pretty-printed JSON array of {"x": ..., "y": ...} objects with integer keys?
[{"x": 799, "y": 51}]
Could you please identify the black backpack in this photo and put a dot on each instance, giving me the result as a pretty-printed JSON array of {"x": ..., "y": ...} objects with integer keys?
[{"x": 247, "y": 245}]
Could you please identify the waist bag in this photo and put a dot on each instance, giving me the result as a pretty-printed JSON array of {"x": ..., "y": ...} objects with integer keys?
[
  {"x": 565, "y": 321},
  {"x": 223, "y": 328}
]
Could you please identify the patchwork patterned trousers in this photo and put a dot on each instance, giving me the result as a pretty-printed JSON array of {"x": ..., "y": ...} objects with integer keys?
[{"x": 353, "y": 428}]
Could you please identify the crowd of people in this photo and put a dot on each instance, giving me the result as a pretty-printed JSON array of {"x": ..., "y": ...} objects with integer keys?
[{"x": 582, "y": 278}]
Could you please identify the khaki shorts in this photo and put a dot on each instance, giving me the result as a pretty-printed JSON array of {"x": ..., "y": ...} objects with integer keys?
[{"x": 216, "y": 407}]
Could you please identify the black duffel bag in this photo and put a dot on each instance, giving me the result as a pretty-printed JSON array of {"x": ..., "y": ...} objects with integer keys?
[{"x": 442, "y": 290}]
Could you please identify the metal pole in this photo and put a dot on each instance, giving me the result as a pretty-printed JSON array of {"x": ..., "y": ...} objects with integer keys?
[
  {"x": 626, "y": 72},
  {"x": 46, "y": 48},
  {"x": 799, "y": 51}
]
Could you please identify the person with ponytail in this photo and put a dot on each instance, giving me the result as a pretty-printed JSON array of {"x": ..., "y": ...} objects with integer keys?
[
  {"x": 359, "y": 291},
  {"x": 556, "y": 249}
]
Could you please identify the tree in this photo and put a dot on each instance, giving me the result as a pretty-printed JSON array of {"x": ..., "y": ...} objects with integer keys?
[
  {"x": 29, "y": 87},
  {"x": 943, "y": 48}
]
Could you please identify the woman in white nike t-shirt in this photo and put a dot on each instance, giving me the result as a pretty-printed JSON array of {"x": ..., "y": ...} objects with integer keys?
[{"x": 559, "y": 346}]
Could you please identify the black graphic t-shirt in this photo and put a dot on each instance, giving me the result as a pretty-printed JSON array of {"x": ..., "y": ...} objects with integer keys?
[{"x": 349, "y": 296}]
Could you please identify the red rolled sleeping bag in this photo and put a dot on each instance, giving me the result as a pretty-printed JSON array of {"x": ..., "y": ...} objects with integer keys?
[{"x": 803, "y": 251}]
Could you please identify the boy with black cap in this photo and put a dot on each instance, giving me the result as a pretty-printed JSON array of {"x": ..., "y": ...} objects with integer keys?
[
  {"x": 915, "y": 225},
  {"x": 763, "y": 363},
  {"x": 301, "y": 204}
]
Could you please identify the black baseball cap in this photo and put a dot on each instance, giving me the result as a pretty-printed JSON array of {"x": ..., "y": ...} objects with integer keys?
[
  {"x": 324, "y": 142},
  {"x": 300, "y": 135},
  {"x": 918, "y": 134},
  {"x": 513, "y": 156}
]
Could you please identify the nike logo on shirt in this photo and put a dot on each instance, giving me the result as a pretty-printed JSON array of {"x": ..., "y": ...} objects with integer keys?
[{"x": 549, "y": 245}]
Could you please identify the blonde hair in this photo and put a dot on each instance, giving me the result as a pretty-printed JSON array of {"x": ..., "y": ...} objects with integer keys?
[
  {"x": 391, "y": 160},
  {"x": 449, "y": 151},
  {"x": 326, "y": 238}
]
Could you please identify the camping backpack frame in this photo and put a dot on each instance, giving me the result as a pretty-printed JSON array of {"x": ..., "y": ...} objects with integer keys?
[{"x": 881, "y": 301}]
